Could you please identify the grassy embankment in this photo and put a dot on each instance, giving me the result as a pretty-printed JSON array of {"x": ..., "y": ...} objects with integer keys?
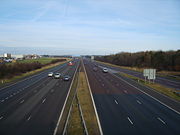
[
  {"x": 41, "y": 60},
  {"x": 170, "y": 92},
  {"x": 85, "y": 101},
  {"x": 169, "y": 74}
]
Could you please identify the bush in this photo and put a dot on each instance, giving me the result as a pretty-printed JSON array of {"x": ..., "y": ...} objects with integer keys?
[{"x": 169, "y": 60}]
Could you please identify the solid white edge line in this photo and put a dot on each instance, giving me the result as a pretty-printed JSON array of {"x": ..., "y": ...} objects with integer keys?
[
  {"x": 100, "y": 129},
  {"x": 146, "y": 94},
  {"x": 56, "y": 128},
  {"x": 130, "y": 120}
]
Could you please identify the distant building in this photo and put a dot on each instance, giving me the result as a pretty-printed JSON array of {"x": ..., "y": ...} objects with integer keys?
[
  {"x": 17, "y": 56},
  {"x": 32, "y": 56},
  {"x": 7, "y": 55}
]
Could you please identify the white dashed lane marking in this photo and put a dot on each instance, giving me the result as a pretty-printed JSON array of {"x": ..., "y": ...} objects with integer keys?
[
  {"x": 1, "y": 117},
  {"x": 139, "y": 102},
  {"x": 130, "y": 120},
  {"x": 161, "y": 120},
  {"x": 29, "y": 118},
  {"x": 115, "y": 101},
  {"x": 2, "y": 100},
  {"x": 43, "y": 100},
  {"x": 22, "y": 101}
]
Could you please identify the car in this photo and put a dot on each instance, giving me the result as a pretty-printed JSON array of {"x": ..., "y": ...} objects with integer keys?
[
  {"x": 57, "y": 75},
  {"x": 50, "y": 74},
  {"x": 70, "y": 63},
  {"x": 66, "y": 78},
  {"x": 105, "y": 70}
]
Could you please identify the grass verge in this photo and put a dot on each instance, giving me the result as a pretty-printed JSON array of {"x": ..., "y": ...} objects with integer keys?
[
  {"x": 85, "y": 101},
  {"x": 170, "y": 92},
  {"x": 75, "y": 126},
  {"x": 5, "y": 81}
]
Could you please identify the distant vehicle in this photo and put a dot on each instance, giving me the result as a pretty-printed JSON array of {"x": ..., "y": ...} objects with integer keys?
[
  {"x": 50, "y": 74},
  {"x": 57, "y": 75},
  {"x": 105, "y": 70},
  {"x": 66, "y": 78},
  {"x": 95, "y": 69},
  {"x": 70, "y": 63}
]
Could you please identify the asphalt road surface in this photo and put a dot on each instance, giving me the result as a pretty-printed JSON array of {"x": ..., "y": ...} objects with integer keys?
[
  {"x": 124, "y": 109},
  {"x": 32, "y": 106},
  {"x": 161, "y": 80}
]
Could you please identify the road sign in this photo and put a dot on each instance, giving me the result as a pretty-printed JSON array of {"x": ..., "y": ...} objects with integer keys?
[
  {"x": 145, "y": 72},
  {"x": 150, "y": 74}
]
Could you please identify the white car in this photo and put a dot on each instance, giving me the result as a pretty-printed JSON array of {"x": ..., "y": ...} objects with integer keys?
[
  {"x": 57, "y": 75},
  {"x": 105, "y": 70},
  {"x": 50, "y": 74}
]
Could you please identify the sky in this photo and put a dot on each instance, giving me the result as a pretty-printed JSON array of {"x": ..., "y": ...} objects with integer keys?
[{"x": 93, "y": 27}]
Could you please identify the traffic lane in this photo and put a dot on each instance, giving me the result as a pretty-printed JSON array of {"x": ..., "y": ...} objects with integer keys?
[
  {"x": 137, "y": 97},
  {"x": 132, "y": 113},
  {"x": 158, "y": 96},
  {"x": 20, "y": 95},
  {"x": 118, "y": 83},
  {"x": 30, "y": 79},
  {"x": 25, "y": 108},
  {"x": 162, "y": 98},
  {"x": 9, "y": 90},
  {"x": 126, "y": 121},
  {"x": 113, "y": 121},
  {"x": 44, "y": 119},
  {"x": 161, "y": 80},
  {"x": 22, "y": 113}
]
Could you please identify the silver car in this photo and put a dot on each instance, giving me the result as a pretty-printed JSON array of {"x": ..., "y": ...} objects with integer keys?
[
  {"x": 66, "y": 78},
  {"x": 105, "y": 70},
  {"x": 57, "y": 75}
]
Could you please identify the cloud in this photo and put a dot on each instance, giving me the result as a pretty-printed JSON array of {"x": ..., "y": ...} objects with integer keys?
[
  {"x": 91, "y": 25},
  {"x": 43, "y": 10}
]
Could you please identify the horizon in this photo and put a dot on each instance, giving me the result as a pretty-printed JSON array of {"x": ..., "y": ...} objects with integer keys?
[
  {"x": 88, "y": 27},
  {"x": 17, "y": 51}
]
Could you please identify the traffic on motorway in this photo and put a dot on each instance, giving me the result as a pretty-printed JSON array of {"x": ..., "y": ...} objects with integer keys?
[
  {"x": 126, "y": 108},
  {"x": 32, "y": 106}
]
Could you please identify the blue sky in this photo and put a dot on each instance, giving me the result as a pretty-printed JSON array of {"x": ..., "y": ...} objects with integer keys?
[{"x": 88, "y": 26}]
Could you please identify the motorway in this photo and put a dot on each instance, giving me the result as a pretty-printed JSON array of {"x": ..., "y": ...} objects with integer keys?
[
  {"x": 32, "y": 106},
  {"x": 124, "y": 108},
  {"x": 161, "y": 80}
]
